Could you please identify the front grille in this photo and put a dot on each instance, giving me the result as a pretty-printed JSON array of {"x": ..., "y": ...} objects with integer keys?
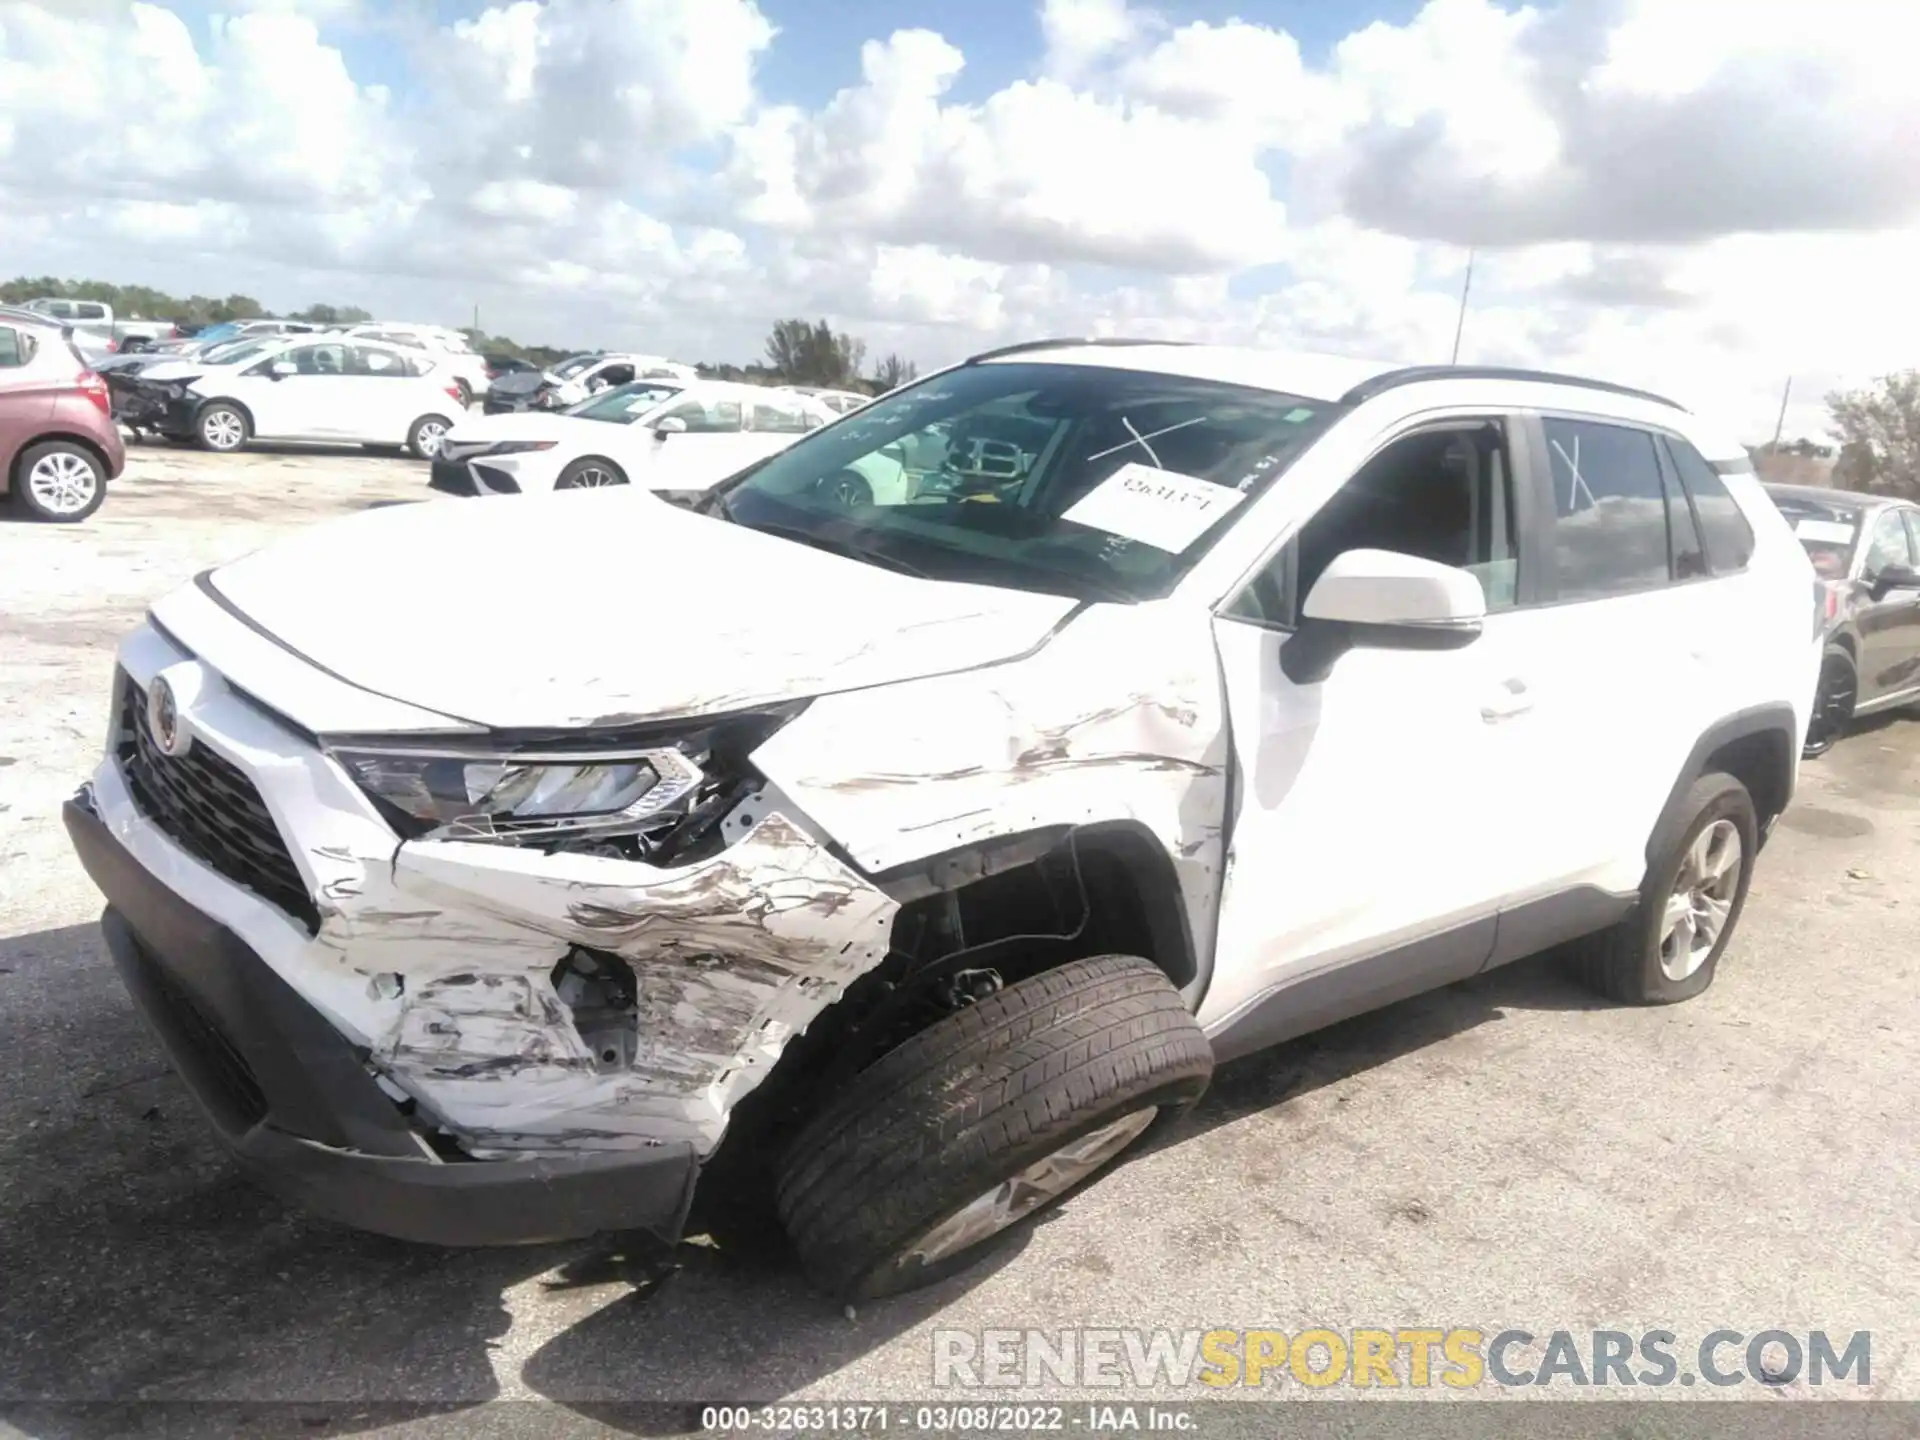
[{"x": 211, "y": 810}]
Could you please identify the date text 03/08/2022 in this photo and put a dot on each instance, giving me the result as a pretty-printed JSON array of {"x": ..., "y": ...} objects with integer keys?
[{"x": 1093, "y": 1419}]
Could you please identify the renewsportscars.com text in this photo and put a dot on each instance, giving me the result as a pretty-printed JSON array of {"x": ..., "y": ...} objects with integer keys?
[{"x": 1416, "y": 1357}]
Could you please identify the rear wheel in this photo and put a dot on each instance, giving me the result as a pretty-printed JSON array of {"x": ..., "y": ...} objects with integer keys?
[
  {"x": 59, "y": 481},
  {"x": 1690, "y": 902},
  {"x": 423, "y": 440},
  {"x": 466, "y": 392},
  {"x": 848, "y": 489},
  {"x": 1833, "y": 703},
  {"x": 590, "y": 472},
  {"x": 222, "y": 428},
  {"x": 983, "y": 1120}
]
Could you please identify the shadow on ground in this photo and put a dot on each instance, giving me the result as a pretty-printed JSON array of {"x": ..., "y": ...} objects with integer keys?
[{"x": 143, "y": 1269}]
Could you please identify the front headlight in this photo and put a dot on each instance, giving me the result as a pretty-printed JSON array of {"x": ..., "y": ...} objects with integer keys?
[
  {"x": 524, "y": 797},
  {"x": 515, "y": 447}
]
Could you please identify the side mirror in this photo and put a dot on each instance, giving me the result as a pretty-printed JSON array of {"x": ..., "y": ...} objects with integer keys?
[
  {"x": 1384, "y": 600},
  {"x": 670, "y": 425},
  {"x": 280, "y": 369},
  {"x": 1895, "y": 577}
]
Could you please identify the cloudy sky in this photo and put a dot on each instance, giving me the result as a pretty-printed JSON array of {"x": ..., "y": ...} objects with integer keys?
[{"x": 1705, "y": 196}]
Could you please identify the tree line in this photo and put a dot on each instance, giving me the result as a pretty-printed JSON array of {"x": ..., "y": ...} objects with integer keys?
[{"x": 798, "y": 352}]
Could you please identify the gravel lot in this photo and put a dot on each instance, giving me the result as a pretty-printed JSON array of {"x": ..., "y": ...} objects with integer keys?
[{"x": 1504, "y": 1152}]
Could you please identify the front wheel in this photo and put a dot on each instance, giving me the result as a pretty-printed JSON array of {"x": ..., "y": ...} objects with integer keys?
[
  {"x": 1833, "y": 702},
  {"x": 847, "y": 489},
  {"x": 984, "y": 1119},
  {"x": 590, "y": 473},
  {"x": 222, "y": 428},
  {"x": 1670, "y": 946},
  {"x": 423, "y": 440}
]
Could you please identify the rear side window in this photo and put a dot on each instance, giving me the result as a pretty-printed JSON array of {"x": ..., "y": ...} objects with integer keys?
[
  {"x": 16, "y": 348},
  {"x": 85, "y": 311},
  {"x": 1887, "y": 545},
  {"x": 1728, "y": 536},
  {"x": 1611, "y": 530}
]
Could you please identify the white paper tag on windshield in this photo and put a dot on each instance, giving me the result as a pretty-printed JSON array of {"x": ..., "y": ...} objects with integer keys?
[
  {"x": 1161, "y": 508},
  {"x": 1825, "y": 532}
]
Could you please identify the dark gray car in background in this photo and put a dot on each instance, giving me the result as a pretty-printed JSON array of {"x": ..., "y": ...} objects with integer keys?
[{"x": 1866, "y": 551}]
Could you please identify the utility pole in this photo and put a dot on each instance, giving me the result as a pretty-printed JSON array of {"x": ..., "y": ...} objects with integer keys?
[
  {"x": 476, "y": 316},
  {"x": 1460, "y": 324},
  {"x": 1781, "y": 424}
]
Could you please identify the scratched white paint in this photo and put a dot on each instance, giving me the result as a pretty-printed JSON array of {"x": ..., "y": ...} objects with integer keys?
[{"x": 732, "y": 955}]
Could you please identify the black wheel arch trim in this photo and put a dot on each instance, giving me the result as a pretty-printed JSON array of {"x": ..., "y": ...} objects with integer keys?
[{"x": 1775, "y": 719}]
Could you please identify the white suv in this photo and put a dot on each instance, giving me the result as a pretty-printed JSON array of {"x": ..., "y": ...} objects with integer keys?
[{"x": 928, "y": 851}]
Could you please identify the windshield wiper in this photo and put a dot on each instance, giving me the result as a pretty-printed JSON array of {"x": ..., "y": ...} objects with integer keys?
[{"x": 848, "y": 549}]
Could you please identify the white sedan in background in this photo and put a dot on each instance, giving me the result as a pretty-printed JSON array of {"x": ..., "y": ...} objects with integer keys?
[
  {"x": 301, "y": 388},
  {"x": 667, "y": 436}
]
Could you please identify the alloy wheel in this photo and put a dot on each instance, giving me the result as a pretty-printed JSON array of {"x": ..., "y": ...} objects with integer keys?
[
  {"x": 63, "y": 483},
  {"x": 223, "y": 430},
  {"x": 1017, "y": 1197},
  {"x": 1701, "y": 900}
]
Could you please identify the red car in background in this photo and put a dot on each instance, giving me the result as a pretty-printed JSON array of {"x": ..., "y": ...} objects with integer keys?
[{"x": 58, "y": 444}]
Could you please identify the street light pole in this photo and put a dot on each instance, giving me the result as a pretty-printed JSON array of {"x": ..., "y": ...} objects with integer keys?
[{"x": 1460, "y": 323}]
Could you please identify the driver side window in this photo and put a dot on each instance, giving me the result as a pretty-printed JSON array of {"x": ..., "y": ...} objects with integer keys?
[
  {"x": 1887, "y": 546},
  {"x": 1443, "y": 493}
]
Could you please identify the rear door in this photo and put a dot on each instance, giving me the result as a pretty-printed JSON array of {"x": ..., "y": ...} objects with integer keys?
[
  {"x": 1888, "y": 615},
  {"x": 386, "y": 394},
  {"x": 711, "y": 448},
  {"x": 26, "y": 399}
]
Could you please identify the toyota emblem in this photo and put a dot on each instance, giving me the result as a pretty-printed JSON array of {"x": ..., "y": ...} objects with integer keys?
[{"x": 163, "y": 719}]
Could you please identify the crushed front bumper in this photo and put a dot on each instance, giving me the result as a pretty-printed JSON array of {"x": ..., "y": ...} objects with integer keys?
[
  {"x": 300, "y": 1109},
  {"x": 377, "y": 1026}
]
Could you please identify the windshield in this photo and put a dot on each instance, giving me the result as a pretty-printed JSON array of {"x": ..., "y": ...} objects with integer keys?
[
  {"x": 624, "y": 404},
  {"x": 1076, "y": 480},
  {"x": 238, "y": 352},
  {"x": 1828, "y": 533},
  {"x": 568, "y": 368},
  {"x": 226, "y": 330}
]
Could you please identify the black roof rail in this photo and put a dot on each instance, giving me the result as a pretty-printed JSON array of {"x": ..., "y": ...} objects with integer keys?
[
  {"x": 1060, "y": 344},
  {"x": 1417, "y": 374}
]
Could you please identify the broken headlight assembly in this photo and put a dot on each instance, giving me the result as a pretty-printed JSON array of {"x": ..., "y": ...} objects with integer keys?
[{"x": 659, "y": 795}]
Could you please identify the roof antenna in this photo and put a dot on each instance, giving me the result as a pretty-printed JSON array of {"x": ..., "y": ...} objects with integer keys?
[{"x": 1460, "y": 323}]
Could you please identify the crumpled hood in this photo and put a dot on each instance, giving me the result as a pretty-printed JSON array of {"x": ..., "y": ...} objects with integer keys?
[{"x": 607, "y": 607}]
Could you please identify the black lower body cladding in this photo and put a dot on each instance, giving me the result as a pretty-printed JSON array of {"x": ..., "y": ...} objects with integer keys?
[{"x": 293, "y": 1099}]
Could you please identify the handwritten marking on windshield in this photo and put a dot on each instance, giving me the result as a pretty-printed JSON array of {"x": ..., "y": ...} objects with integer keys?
[{"x": 1141, "y": 440}]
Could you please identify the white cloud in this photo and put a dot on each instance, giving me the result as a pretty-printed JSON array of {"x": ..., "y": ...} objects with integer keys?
[{"x": 1690, "y": 194}]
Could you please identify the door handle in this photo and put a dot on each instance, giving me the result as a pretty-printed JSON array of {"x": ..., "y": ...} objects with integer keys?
[{"x": 1514, "y": 699}]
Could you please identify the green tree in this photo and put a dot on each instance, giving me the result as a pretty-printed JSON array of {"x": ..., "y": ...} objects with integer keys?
[
  {"x": 332, "y": 315},
  {"x": 815, "y": 354},
  {"x": 894, "y": 371},
  {"x": 1879, "y": 430}
]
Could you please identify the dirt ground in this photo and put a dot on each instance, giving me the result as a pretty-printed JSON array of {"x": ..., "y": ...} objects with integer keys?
[{"x": 1505, "y": 1152}]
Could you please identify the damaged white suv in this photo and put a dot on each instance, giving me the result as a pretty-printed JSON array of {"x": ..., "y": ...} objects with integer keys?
[{"x": 482, "y": 867}]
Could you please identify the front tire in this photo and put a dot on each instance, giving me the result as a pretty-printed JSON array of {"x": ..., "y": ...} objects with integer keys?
[
  {"x": 590, "y": 472},
  {"x": 59, "y": 482},
  {"x": 984, "y": 1119},
  {"x": 222, "y": 428},
  {"x": 848, "y": 489},
  {"x": 425, "y": 435},
  {"x": 1833, "y": 702},
  {"x": 1669, "y": 948}
]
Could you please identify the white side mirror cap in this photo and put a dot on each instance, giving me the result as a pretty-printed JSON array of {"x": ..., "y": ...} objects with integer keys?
[{"x": 1385, "y": 587}]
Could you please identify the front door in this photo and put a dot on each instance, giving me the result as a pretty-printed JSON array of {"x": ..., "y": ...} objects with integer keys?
[
  {"x": 1377, "y": 823},
  {"x": 1889, "y": 622}
]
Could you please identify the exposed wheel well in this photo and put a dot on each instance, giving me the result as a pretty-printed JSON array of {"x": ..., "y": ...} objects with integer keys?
[
  {"x": 20, "y": 455},
  {"x": 971, "y": 921},
  {"x": 1845, "y": 642}
]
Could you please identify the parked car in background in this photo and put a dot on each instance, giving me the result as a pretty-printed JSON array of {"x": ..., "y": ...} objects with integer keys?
[
  {"x": 58, "y": 444},
  {"x": 1866, "y": 551},
  {"x": 209, "y": 335},
  {"x": 457, "y": 360},
  {"x": 96, "y": 319},
  {"x": 499, "y": 366},
  {"x": 665, "y": 435},
  {"x": 304, "y": 388},
  {"x": 579, "y": 376},
  {"x": 841, "y": 402}
]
